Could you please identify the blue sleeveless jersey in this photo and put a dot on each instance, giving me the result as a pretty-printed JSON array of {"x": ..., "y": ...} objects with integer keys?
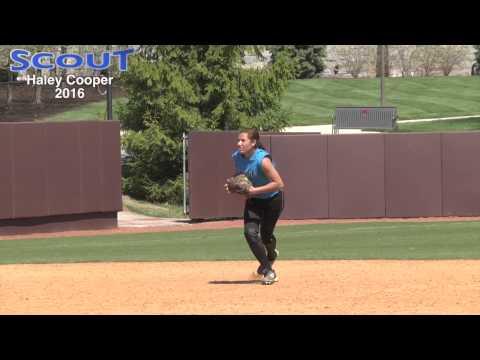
[{"x": 252, "y": 167}]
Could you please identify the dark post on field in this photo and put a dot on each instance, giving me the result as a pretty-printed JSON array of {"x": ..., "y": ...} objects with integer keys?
[{"x": 109, "y": 94}]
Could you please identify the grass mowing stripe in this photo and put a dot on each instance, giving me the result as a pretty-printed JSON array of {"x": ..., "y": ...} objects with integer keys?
[
  {"x": 436, "y": 240},
  {"x": 420, "y": 97},
  {"x": 313, "y": 101},
  {"x": 470, "y": 124}
]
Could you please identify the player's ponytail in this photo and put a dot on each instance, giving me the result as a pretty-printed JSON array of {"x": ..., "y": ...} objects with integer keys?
[
  {"x": 260, "y": 145},
  {"x": 254, "y": 135}
]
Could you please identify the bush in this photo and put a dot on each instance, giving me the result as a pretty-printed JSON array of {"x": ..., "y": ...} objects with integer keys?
[{"x": 170, "y": 192}]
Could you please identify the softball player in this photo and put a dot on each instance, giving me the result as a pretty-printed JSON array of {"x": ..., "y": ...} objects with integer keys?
[{"x": 264, "y": 202}]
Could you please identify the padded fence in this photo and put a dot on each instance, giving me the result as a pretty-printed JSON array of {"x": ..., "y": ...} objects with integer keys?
[
  {"x": 346, "y": 176},
  {"x": 356, "y": 176},
  {"x": 461, "y": 174},
  {"x": 59, "y": 173},
  {"x": 306, "y": 194}
]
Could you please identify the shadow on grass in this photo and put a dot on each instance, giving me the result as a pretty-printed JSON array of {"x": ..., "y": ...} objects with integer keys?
[{"x": 235, "y": 282}]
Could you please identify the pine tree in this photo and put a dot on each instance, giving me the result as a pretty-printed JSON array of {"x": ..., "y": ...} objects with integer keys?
[
  {"x": 477, "y": 53},
  {"x": 309, "y": 58},
  {"x": 176, "y": 89}
]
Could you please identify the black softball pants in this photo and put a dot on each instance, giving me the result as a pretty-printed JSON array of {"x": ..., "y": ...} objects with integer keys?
[{"x": 259, "y": 218}]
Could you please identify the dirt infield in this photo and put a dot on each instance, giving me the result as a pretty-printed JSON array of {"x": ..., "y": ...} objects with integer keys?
[
  {"x": 226, "y": 287},
  {"x": 305, "y": 287}
]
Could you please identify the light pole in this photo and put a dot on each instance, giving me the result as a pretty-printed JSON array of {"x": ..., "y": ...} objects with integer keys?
[
  {"x": 382, "y": 47},
  {"x": 109, "y": 94}
]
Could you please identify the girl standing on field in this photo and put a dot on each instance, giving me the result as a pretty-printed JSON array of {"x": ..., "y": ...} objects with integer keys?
[{"x": 264, "y": 201}]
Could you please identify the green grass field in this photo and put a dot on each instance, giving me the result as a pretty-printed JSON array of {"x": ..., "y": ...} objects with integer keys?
[
  {"x": 149, "y": 209},
  {"x": 470, "y": 124},
  {"x": 91, "y": 111},
  {"x": 312, "y": 102},
  {"x": 406, "y": 240}
]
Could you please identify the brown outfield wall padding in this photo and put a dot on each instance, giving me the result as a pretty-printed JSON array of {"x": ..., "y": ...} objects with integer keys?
[
  {"x": 414, "y": 178},
  {"x": 91, "y": 166},
  {"x": 6, "y": 162},
  {"x": 413, "y": 184},
  {"x": 29, "y": 170},
  {"x": 70, "y": 222},
  {"x": 461, "y": 174},
  {"x": 52, "y": 172},
  {"x": 302, "y": 162},
  {"x": 209, "y": 165},
  {"x": 63, "y": 171},
  {"x": 112, "y": 170},
  {"x": 356, "y": 176}
]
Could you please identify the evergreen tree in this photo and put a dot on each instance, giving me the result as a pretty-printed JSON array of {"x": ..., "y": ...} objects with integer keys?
[
  {"x": 176, "y": 89},
  {"x": 309, "y": 59},
  {"x": 476, "y": 64},
  {"x": 477, "y": 53}
]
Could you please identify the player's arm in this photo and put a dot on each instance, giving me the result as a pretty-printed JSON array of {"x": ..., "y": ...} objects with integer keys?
[{"x": 276, "y": 182}]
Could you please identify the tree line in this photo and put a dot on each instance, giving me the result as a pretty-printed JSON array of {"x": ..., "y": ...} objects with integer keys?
[{"x": 410, "y": 60}]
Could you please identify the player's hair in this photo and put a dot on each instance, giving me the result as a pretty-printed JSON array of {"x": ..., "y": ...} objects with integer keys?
[{"x": 254, "y": 135}]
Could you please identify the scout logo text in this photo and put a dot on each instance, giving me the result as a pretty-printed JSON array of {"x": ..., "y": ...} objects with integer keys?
[{"x": 22, "y": 62}]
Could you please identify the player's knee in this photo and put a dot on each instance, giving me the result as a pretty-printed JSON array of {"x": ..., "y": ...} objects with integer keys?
[
  {"x": 251, "y": 234},
  {"x": 267, "y": 237}
]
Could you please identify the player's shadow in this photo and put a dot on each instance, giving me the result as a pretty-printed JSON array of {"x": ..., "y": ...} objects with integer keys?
[{"x": 234, "y": 282}]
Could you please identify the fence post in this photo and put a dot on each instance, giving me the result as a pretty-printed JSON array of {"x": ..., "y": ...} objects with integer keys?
[
  {"x": 109, "y": 94},
  {"x": 184, "y": 138}
]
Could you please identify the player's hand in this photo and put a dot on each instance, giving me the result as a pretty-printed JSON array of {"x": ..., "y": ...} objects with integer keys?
[{"x": 250, "y": 192}]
